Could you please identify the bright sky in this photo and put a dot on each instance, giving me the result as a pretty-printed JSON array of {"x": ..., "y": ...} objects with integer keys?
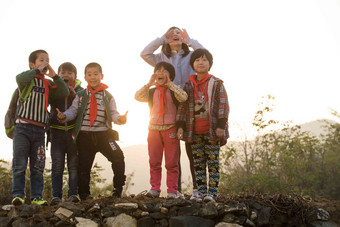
[{"x": 287, "y": 48}]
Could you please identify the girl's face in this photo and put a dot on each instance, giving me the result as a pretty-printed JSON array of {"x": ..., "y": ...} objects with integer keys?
[
  {"x": 176, "y": 37},
  {"x": 161, "y": 76},
  {"x": 201, "y": 65}
]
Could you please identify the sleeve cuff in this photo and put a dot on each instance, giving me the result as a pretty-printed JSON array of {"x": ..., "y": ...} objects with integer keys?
[
  {"x": 221, "y": 123},
  {"x": 180, "y": 124}
]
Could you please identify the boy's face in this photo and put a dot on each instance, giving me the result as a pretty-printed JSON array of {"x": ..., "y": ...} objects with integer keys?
[
  {"x": 201, "y": 65},
  {"x": 93, "y": 77},
  {"x": 162, "y": 76},
  {"x": 68, "y": 76},
  {"x": 41, "y": 58}
]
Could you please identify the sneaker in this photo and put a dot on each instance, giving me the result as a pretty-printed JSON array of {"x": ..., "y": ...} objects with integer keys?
[
  {"x": 38, "y": 201},
  {"x": 55, "y": 201},
  {"x": 194, "y": 194},
  {"x": 199, "y": 197},
  {"x": 172, "y": 195},
  {"x": 17, "y": 201},
  {"x": 117, "y": 193},
  {"x": 153, "y": 194},
  {"x": 209, "y": 198},
  {"x": 85, "y": 197},
  {"x": 73, "y": 198},
  {"x": 180, "y": 195}
]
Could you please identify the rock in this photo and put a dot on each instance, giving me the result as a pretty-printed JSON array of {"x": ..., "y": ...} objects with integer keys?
[
  {"x": 318, "y": 214},
  {"x": 322, "y": 224},
  {"x": 157, "y": 215},
  {"x": 6, "y": 221},
  {"x": 76, "y": 209},
  {"x": 21, "y": 223},
  {"x": 64, "y": 214},
  {"x": 109, "y": 211},
  {"x": 253, "y": 215},
  {"x": 224, "y": 224},
  {"x": 26, "y": 211},
  {"x": 121, "y": 220},
  {"x": 187, "y": 211},
  {"x": 94, "y": 208},
  {"x": 209, "y": 210},
  {"x": 146, "y": 222},
  {"x": 164, "y": 210},
  {"x": 249, "y": 223},
  {"x": 7, "y": 207},
  {"x": 188, "y": 221},
  {"x": 3, "y": 213},
  {"x": 164, "y": 223},
  {"x": 144, "y": 214},
  {"x": 176, "y": 202},
  {"x": 264, "y": 216},
  {"x": 127, "y": 206},
  {"x": 229, "y": 218},
  {"x": 84, "y": 222},
  {"x": 150, "y": 206},
  {"x": 254, "y": 205},
  {"x": 238, "y": 209}
]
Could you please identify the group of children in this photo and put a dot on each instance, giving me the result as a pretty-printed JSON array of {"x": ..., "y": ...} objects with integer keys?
[{"x": 185, "y": 104}]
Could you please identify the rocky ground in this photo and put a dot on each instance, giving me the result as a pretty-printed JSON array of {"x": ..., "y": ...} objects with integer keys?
[{"x": 245, "y": 210}]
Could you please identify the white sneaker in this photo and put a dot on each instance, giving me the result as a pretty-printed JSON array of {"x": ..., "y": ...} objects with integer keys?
[
  {"x": 153, "y": 194},
  {"x": 180, "y": 195},
  {"x": 209, "y": 198},
  {"x": 194, "y": 194},
  {"x": 172, "y": 196}
]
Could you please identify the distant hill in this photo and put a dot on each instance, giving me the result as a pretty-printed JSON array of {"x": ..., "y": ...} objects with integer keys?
[{"x": 316, "y": 127}]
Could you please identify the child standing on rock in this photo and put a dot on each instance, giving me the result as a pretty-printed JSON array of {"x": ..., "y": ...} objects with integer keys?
[
  {"x": 163, "y": 101},
  {"x": 203, "y": 122}
]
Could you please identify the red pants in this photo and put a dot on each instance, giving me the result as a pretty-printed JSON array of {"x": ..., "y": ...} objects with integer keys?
[{"x": 157, "y": 142}]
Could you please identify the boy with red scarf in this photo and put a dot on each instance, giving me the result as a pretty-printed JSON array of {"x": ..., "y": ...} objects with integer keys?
[
  {"x": 29, "y": 131},
  {"x": 95, "y": 110},
  {"x": 203, "y": 121},
  {"x": 61, "y": 139},
  {"x": 163, "y": 101}
]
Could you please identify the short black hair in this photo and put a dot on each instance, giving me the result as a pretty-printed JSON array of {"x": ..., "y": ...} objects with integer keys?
[
  {"x": 34, "y": 55},
  {"x": 200, "y": 53},
  {"x": 92, "y": 65},
  {"x": 69, "y": 67},
  {"x": 168, "y": 67}
]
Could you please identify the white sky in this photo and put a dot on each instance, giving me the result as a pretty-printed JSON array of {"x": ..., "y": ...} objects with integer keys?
[{"x": 287, "y": 48}]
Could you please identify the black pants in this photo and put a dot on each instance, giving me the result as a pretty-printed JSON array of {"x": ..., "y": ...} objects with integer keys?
[
  {"x": 191, "y": 162},
  {"x": 88, "y": 144}
]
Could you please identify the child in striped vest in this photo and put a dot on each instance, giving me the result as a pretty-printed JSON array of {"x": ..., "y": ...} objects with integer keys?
[
  {"x": 29, "y": 131},
  {"x": 95, "y": 109}
]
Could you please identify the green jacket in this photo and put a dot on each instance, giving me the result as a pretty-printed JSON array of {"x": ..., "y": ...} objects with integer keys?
[{"x": 83, "y": 100}]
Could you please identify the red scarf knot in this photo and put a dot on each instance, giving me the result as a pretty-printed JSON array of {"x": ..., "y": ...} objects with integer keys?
[
  {"x": 93, "y": 101},
  {"x": 198, "y": 84}
]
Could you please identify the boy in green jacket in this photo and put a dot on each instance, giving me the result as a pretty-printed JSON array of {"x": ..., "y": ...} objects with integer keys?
[
  {"x": 95, "y": 110},
  {"x": 29, "y": 131}
]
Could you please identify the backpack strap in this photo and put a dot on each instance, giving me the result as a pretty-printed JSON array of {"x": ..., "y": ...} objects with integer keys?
[{"x": 24, "y": 94}]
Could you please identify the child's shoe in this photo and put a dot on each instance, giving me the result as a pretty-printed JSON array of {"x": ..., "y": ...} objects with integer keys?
[
  {"x": 194, "y": 194},
  {"x": 153, "y": 194},
  {"x": 73, "y": 198},
  {"x": 180, "y": 195},
  {"x": 39, "y": 201},
  {"x": 209, "y": 198},
  {"x": 55, "y": 201},
  {"x": 199, "y": 197},
  {"x": 85, "y": 197},
  {"x": 172, "y": 195},
  {"x": 17, "y": 201},
  {"x": 117, "y": 193}
]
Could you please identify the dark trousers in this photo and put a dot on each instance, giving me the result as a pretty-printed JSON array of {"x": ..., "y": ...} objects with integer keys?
[
  {"x": 88, "y": 144},
  {"x": 188, "y": 150}
]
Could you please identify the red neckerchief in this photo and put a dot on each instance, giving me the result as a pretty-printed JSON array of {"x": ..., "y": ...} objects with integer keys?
[
  {"x": 93, "y": 101},
  {"x": 198, "y": 84},
  {"x": 47, "y": 85},
  {"x": 162, "y": 99}
]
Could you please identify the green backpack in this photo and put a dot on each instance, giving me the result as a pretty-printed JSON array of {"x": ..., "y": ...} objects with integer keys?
[{"x": 14, "y": 106}]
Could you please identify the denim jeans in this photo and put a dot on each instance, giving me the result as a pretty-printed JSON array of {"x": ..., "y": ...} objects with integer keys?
[
  {"x": 28, "y": 142},
  {"x": 62, "y": 144}
]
